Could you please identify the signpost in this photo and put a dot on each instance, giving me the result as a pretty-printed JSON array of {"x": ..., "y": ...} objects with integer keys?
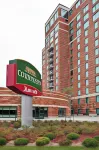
[{"x": 23, "y": 78}]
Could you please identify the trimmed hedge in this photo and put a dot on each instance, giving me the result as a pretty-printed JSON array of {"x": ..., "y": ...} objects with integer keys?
[
  {"x": 21, "y": 141},
  {"x": 97, "y": 138},
  {"x": 3, "y": 141},
  {"x": 42, "y": 141},
  {"x": 73, "y": 136},
  {"x": 51, "y": 136},
  {"x": 90, "y": 142},
  {"x": 66, "y": 142}
]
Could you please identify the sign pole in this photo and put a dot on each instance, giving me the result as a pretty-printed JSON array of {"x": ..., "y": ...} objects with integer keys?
[{"x": 26, "y": 111}]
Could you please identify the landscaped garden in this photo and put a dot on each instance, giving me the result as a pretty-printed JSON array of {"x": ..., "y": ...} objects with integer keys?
[{"x": 50, "y": 133}]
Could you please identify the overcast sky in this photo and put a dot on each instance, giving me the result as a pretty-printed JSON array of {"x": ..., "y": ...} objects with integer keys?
[{"x": 22, "y": 30}]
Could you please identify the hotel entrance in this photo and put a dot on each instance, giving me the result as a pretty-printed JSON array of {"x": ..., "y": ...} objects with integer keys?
[{"x": 40, "y": 112}]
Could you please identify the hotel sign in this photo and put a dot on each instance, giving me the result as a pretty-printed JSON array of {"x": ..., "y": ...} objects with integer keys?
[{"x": 23, "y": 78}]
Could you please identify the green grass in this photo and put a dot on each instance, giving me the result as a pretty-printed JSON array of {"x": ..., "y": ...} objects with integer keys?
[{"x": 47, "y": 148}]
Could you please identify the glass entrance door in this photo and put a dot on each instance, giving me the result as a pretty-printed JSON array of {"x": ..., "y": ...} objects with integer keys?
[{"x": 61, "y": 112}]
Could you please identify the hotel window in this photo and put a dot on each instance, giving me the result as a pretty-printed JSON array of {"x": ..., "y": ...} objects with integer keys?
[
  {"x": 71, "y": 45},
  {"x": 86, "y": 65},
  {"x": 86, "y": 57},
  {"x": 71, "y": 67},
  {"x": 86, "y": 41},
  {"x": 96, "y": 25},
  {"x": 79, "y": 93},
  {"x": 56, "y": 60},
  {"x": 56, "y": 74},
  {"x": 56, "y": 15},
  {"x": 79, "y": 77},
  {"x": 77, "y": 4},
  {"x": 87, "y": 100},
  {"x": 94, "y": 1},
  {"x": 57, "y": 67},
  {"x": 71, "y": 59},
  {"x": 78, "y": 101},
  {"x": 51, "y": 21},
  {"x": 56, "y": 41},
  {"x": 71, "y": 80},
  {"x": 96, "y": 16},
  {"x": 96, "y": 7},
  {"x": 71, "y": 52},
  {"x": 56, "y": 34},
  {"x": 86, "y": 74},
  {"x": 78, "y": 84},
  {"x": 78, "y": 24},
  {"x": 97, "y": 70},
  {"x": 71, "y": 31},
  {"x": 51, "y": 40},
  {"x": 78, "y": 69},
  {"x": 87, "y": 82},
  {"x": 96, "y": 34},
  {"x": 56, "y": 53},
  {"x": 78, "y": 39},
  {"x": 70, "y": 12},
  {"x": 71, "y": 38},
  {"x": 97, "y": 51},
  {"x": 78, "y": 47},
  {"x": 86, "y": 33},
  {"x": 52, "y": 33},
  {"x": 56, "y": 80},
  {"x": 97, "y": 88},
  {"x": 63, "y": 13},
  {"x": 96, "y": 42},
  {"x": 78, "y": 17},
  {"x": 78, "y": 62},
  {"x": 97, "y": 98},
  {"x": 78, "y": 32},
  {"x": 86, "y": 25},
  {"x": 87, "y": 91},
  {"x": 97, "y": 61},
  {"x": 56, "y": 47},
  {"x": 97, "y": 79},
  {"x": 86, "y": 9},
  {"x": 71, "y": 25},
  {"x": 86, "y": 16},
  {"x": 56, "y": 28},
  {"x": 86, "y": 49},
  {"x": 78, "y": 54},
  {"x": 47, "y": 27}
]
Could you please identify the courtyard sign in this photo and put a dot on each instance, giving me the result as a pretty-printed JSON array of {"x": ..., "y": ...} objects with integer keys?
[{"x": 23, "y": 78}]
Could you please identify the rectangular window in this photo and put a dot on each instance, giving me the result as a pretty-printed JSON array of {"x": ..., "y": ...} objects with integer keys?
[
  {"x": 87, "y": 91},
  {"x": 78, "y": 39},
  {"x": 56, "y": 34},
  {"x": 78, "y": 62},
  {"x": 96, "y": 16},
  {"x": 56, "y": 41},
  {"x": 71, "y": 25},
  {"x": 56, "y": 60},
  {"x": 86, "y": 25},
  {"x": 86, "y": 41},
  {"x": 8, "y": 112},
  {"x": 77, "y": 4},
  {"x": 78, "y": 101},
  {"x": 97, "y": 79},
  {"x": 86, "y": 57},
  {"x": 97, "y": 98},
  {"x": 86, "y": 33},
  {"x": 87, "y": 82},
  {"x": 94, "y": 1},
  {"x": 86, "y": 9},
  {"x": 86, "y": 65},
  {"x": 97, "y": 70},
  {"x": 79, "y": 93},
  {"x": 96, "y": 42},
  {"x": 78, "y": 47},
  {"x": 87, "y": 101},
  {"x": 97, "y": 88},
  {"x": 96, "y": 25},
  {"x": 78, "y": 17},
  {"x": 57, "y": 67},
  {"x": 78, "y": 69},
  {"x": 56, "y": 53},
  {"x": 96, "y": 7},
  {"x": 97, "y": 61},
  {"x": 56, "y": 47},
  {"x": 56, "y": 28},
  {"x": 86, "y": 74},
  {"x": 78, "y": 32},
  {"x": 51, "y": 21},
  {"x": 86, "y": 49},
  {"x": 79, "y": 54},
  {"x": 78, "y": 77},
  {"x": 96, "y": 34},
  {"x": 56, "y": 80},
  {"x": 78, "y": 84},
  {"x": 56, "y": 88},
  {"x": 86, "y": 16},
  {"x": 78, "y": 24},
  {"x": 97, "y": 51}
]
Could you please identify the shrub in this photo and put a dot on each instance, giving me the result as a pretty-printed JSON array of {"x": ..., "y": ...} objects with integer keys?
[
  {"x": 42, "y": 141},
  {"x": 66, "y": 142},
  {"x": 21, "y": 141},
  {"x": 51, "y": 136},
  {"x": 97, "y": 138},
  {"x": 2, "y": 141},
  {"x": 17, "y": 124},
  {"x": 73, "y": 136},
  {"x": 90, "y": 142}
]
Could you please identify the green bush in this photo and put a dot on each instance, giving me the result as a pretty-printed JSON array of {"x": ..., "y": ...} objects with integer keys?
[
  {"x": 42, "y": 141},
  {"x": 17, "y": 124},
  {"x": 90, "y": 142},
  {"x": 73, "y": 136},
  {"x": 51, "y": 136},
  {"x": 3, "y": 141},
  {"x": 97, "y": 138},
  {"x": 21, "y": 141},
  {"x": 66, "y": 142}
]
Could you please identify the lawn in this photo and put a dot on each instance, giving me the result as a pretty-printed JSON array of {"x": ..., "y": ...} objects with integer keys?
[{"x": 46, "y": 148}]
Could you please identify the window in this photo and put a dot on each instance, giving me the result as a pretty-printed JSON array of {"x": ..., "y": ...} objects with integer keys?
[
  {"x": 86, "y": 25},
  {"x": 97, "y": 61},
  {"x": 78, "y": 101},
  {"x": 86, "y": 8},
  {"x": 52, "y": 33},
  {"x": 86, "y": 49},
  {"x": 78, "y": 24},
  {"x": 47, "y": 27},
  {"x": 56, "y": 41},
  {"x": 71, "y": 25},
  {"x": 86, "y": 74},
  {"x": 78, "y": 77},
  {"x": 71, "y": 66},
  {"x": 97, "y": 70},
  {"x": 87, "y": 91},
  {"x": 97, "y": 51},
  {"x": 56, "y": 53},
  {"x": 78, "y": 32},
  {"x": 51, "y": 40},
  {"x": 51, "y": 21},
  {"x": 78, "y": 47},
  {"x": 79, "y": 54},
  {"x": 96, "y": 42},
  {"x": 97, "y": 79},
  {"x": 78, "y": 69},
  {"x": 71, "y": 59},
  {"x": 56, "y": 80},
  {"x": 78, "y": 17},
  {"x": 57, "y": 67},
  {"x": 87, "y": 82},
  {"x": 71, "y": 80},
  {"x": 86, "y": 41},
  {"x": 78, "y": 39},
  {"x": 56, "y": 60},
  {"x": 56, "y": 47},
  {"x": 71, "y": 45},
  {"x": 86, "y": 16},
  {"x": 71, "y": 52},
  {"x": 71, "y": 31},
  {"x": 8, "y": 112},
  {"x": 71, "y": 38},
  {"x": 86, "y": 65},
  {"x": 97, "y": 98},
  {"x": 70, "y": 12},
  {"x": 96, "y": 16},
  {"x": 56, "y": 74},
  {"x": 86, "y": 57},
  {"x": 94, "y": 1},
  {"x": 78, "y": 84},
  {"x": 96, "y": 25},
  {"x": 87, "y": 100},
  {"x": 56, "y": 15},
  {"x": 56, "y": 28},
  {"x": 56, "y": 34},
  {"x": 78, "y": 62},
  {"x": 77, "y": 4},
  {"x": 86, "y": 33},
  {"x": 63, "y": 13},
  {"x": 56, "y": 88},
  {"x": 97, "y": 88},
  {"x": 96, "y": 34},
  {"x": 79, "y": 93},
  {"x": 96, "y": 7}
]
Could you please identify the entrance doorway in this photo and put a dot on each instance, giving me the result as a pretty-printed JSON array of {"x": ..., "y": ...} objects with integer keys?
[{"x": 61, "y": 112}]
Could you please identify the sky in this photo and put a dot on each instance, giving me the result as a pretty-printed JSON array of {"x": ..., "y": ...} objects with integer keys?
[{"x": 22, "y": 31}]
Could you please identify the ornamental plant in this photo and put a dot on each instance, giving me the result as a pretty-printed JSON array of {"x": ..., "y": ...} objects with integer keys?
[
  {"x": 73, "y": 136},
  {"x": 90, "y": 142},
  {"x": 42, "y": 141},
  {"x": 21, "y": 141}
]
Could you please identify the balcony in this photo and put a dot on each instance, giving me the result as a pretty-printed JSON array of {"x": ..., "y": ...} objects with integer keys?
[
  {"x": 51, "y": 72},
  {"x": 51, "y": 54},
  {"x": 50, "y": 60},
  {"x": 50, "y": 66},
  {"x": 50, "y": 49}
]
